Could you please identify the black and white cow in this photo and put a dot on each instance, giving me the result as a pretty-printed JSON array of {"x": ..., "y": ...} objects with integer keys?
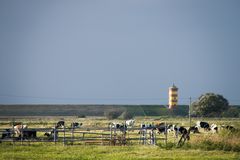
[
  {"x": 203, "y": 125},
  {"x": 147, "y": 129},
  {"x": 194, "y": 129},
  {"x": 50, "y": 135},
  {"x": 28, "y": 134},
  {"x": 122, "y": 127},
  {"x": 76, "y": 125},
  {"x": 171, "y": 128},
  {"x": 17, "y": 129},
  {"x": 130, "y": 122},
  {"x": 60, "y": 124},
  {"x": 182, "y": 131},
  {"x": 6, "y": 133},
  {"x": 231, "y": 128},
  {"x": 147, "y": 126},
  {"x": 228, "y": 127},
  {"x": 162, "y": 128},
  {"x": 214, "y": 128}
]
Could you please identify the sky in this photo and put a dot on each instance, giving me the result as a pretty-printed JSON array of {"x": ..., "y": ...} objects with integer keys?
[{"x": 118, "y": 52}]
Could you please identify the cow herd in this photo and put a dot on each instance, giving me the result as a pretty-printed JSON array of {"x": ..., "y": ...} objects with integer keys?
[
  {"x": 214, "y": 128},
  {"x": 163, "y": 128},
  {"x": 20, "y": 131}
]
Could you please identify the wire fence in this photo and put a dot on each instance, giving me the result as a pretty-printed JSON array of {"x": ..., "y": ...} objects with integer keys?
[{"x": 110, "y": 135}]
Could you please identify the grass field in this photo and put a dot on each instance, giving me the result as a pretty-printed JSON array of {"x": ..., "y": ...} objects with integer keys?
[
  {"x": 224, "y": 145},
  {"x": 53, "y": 152}
]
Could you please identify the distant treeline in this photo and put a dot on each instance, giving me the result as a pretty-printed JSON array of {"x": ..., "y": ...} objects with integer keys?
[{"x": 92, "y": 110}]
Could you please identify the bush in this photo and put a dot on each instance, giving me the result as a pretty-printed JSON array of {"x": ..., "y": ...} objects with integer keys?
[
  {"x": 127, "y": 115},
  {"x": 232, "y": 112},
  {"x": 112, "y": 114},
  {"x": 82, "y": 116}
]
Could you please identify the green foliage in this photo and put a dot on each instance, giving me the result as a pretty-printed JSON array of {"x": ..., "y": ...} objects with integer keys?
[
  {"x": 127, "y": 115},
  {"x": 113, "y": 114},
  {"x": 210, "y": 105},
  {"x": 81, "y": 116},
  {"x": 232, "y": 112}
]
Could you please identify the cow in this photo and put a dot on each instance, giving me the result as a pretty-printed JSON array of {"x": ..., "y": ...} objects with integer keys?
[
  {"x": 76, "y": 125},
  {"x": 170, "y": 128},
  {"x": 194, "y": 129},
  {"x": 203, "y": 125},
  {"x": 28, "y": 134},
  {"x": 162, "y": 128},
  {"x": 148, "y": 129},
  {"x": 6, "y": 133},
  {"x": 18, "y": 128},
  {"x": 147, "y": 126},
  {"x": 231, "y": 128},
  {"x": 180, "y": 130},
  {"x": 214, "y": 128},
  {"x": 183, "y": 131},
  {"x": 130, "y": 122},
  {"x": 122, "y": 127},
  {"x": 60, "y": 124},
  {"x": 144, "y": 126},
  {"x": 228, "y": 127},
  {"x": 50, "y": 135}
]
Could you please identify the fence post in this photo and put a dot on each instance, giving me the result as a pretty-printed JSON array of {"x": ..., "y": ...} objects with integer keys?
[
  {"x": 83, "y": 136},
  {"x": 115, "y": 135},
  {"x": 110, "y": 135},
  {"x": 142, "y": 136},
  {"x": 146, "y": 134},
  {"x": 102, "y": 139},
  {"x": 64, "y": 135},
  {"x": 124, "y": 134},
  {"x": 155, "y": 139},
  {"x": 54, "y": 134},
  {"x": 72, "y": 136},
  {"x": 152, "y": 137},
  {"x": 21, "y": 134},
  {"x": 13, "y": 133},
  {"x": 166, "y": 134}
]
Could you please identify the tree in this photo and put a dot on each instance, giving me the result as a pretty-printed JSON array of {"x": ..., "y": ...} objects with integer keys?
[{"x": 210, "y": 105}]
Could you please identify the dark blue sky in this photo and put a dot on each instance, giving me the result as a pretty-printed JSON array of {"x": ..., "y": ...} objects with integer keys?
[{"x": 118, "y": 52}]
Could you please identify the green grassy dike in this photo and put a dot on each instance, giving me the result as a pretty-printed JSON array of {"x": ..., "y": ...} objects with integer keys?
[{"x": 54, "y": 152}]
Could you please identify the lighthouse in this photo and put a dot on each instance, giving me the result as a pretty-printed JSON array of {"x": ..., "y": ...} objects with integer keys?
[{"x": 172, "y": 96}]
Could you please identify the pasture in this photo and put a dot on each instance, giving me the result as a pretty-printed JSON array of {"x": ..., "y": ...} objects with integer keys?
[{"x": 204, "y": 145}]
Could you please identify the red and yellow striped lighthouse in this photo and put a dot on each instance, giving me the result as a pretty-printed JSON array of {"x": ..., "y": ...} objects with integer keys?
[{"x": 172, "y": 96}]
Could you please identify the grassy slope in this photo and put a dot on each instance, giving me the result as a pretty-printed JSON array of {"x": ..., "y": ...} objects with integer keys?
[
  {"x": 52, "y": 152},
  {"x": 88, "y": 110}
]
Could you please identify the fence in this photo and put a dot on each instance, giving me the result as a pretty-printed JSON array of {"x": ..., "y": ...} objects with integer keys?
[{"x": 110, "y": 135}]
